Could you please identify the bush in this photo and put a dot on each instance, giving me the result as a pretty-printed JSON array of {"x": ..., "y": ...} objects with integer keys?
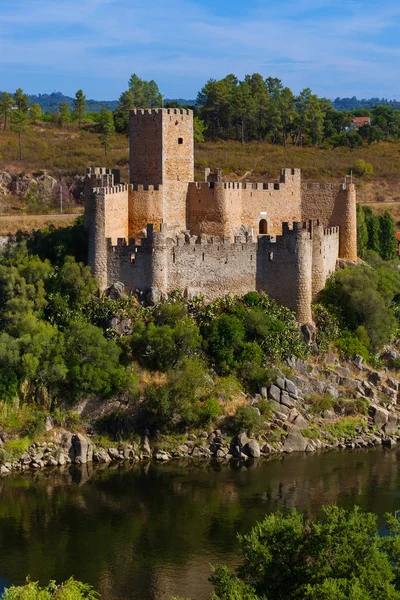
[
  {"x": 248, "y": 420},
  {"x": 14, "y": 449},
  {"x": 70, "y": 590},
  {"x": 363, "y": 168},
  {"x": 349, "y": 346}
]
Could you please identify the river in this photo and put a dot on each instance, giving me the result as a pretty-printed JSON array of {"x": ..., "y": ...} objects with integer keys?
[{"x": 148, "y": 532}]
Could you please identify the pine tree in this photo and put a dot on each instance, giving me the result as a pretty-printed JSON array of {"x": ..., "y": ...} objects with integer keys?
[
  {"x": 36, "y": 112},
  {"x": 106, "y": 129},
  {"x": 79, "y": 107},
  {"x": 21, "y": 100},
  {"x": 19, "y": 124},
  {"x": 64, "y": 116},
  {"x": 5, "y": 107}
]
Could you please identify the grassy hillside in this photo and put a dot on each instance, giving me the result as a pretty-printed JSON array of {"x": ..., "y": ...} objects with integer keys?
[{"x": 71, "y": 150}]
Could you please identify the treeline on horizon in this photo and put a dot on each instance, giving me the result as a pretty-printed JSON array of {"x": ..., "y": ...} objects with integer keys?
[{"x": 254, "y": 109}]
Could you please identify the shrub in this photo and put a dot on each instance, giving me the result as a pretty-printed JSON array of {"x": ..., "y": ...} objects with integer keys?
[
  {"x": 70, "y": 590},
  {"x": 248, "y": 420},
  {"x": 349, "y": 346},
  {"x": 363, "y": 168},
  {"x": 14, "y": 449}
]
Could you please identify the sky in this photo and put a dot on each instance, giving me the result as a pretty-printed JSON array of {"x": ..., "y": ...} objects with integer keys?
[{"x": 337, "y": 48}]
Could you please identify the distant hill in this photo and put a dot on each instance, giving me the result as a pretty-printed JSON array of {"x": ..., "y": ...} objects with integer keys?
[
  {"x": 354, "y": 103},
  {"x": 51, "y": 102}
]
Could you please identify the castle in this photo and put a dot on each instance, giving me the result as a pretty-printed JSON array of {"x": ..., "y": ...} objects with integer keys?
[{"x": 164, "y": 231}]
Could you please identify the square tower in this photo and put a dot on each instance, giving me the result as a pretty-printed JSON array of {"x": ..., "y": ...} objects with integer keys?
[
  {"x": 161, "y": 156},
  {"x": 161, "y": 146}
]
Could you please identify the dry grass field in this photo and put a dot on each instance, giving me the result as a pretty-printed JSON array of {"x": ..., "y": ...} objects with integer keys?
[
  {"x": 9, "y": 225},
  {"x": 70, "y": 151}
]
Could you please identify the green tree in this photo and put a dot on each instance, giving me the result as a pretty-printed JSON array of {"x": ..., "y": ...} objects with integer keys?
[
  {"x": 106, "y": 129},
  {"x": 388, "y": 243},
  {"x": 199, "y": 128},
  {"x": 374, "y": 230},
  {"x": 64, "y": 116},
  {"x": 36, "y": 112},
  {"x": 244, "y": 106},
  {"x": 362, "y": 296},
  {"x": 79, "y": 107},
  {"x": 340, "y": 557},
  {"x": 92, "y": 361},
  {"x": 362, "y": 232},
  {"x": 19, "y": 124},
  {"x": 6, "y": 103},
  {"x": 145, "y": 94},
  {"x": 21, "y": 100}
]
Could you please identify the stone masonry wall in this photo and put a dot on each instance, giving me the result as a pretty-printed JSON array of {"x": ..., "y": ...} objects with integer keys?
[
  {"x": 281, "y": 266},
  {"x": 145, "y": 142},
  {"x": 223, "y": 208},
  {"x": 161, "y": 154},
  {"x": 146, "y": 205},
  {"x": 334, "y": 206}
]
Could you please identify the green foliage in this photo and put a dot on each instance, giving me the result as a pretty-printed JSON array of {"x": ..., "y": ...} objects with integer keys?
[
  {"x": 70, "y": 590},
  {"x": 248, "y": 420},
  {"x": 388, "y": 242},
  {"x": 13, "y": 449},
  {"x": 92, "y": 361},
  {"x": 362, "y": 297},
  {"x": 79, "y": 107},
  {"x": 362, "y": 232},
  {"x": 290, "y": 556},
  {"x": 106, "y": 129},
  {"x": 161, "y": 347},
  {"x": 345, "y": 427},
  {"x": 349, "y": 345},
  {"x": 363, "y": 168}
]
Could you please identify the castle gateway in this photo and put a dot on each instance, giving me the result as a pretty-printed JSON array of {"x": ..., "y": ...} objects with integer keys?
[{"x": 164, "y": 231}]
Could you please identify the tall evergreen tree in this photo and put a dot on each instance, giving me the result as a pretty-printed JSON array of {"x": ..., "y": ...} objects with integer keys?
[
  {"x": 64, "y": 116},
  {"x": 388, "y": 236},
  {"x": 362, "y": 231},
  {"x": 79, "y": 107},
  {"x": 19, "y": 124},
  {"x": 106, "y": 129},
  {"x": 21, "y": 100},
  {"x": 5, "y": 108}
]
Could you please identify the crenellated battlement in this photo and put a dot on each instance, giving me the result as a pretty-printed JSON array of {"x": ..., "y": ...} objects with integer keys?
[
  {"x": 115, "y": 189},
  {"x": 141, "y": 187},
  {"x": 161, "y": 111}
]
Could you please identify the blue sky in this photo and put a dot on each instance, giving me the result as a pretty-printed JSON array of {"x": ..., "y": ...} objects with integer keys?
[{"x": 340, "y": 48}]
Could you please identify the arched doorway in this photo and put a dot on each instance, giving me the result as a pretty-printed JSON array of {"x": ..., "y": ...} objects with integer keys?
[{"x": 263, "y": 227}]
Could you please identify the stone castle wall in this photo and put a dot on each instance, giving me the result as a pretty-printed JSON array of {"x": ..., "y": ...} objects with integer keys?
[
  {"x": 282, "y": 266},
  {"x": 223, "y": 208}
]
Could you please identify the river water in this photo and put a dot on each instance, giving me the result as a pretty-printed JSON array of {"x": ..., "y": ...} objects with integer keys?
[{"x": 149, "y": 532}]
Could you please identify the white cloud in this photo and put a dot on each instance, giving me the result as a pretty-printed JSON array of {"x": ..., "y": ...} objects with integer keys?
[{"x": 328, "y": 46}]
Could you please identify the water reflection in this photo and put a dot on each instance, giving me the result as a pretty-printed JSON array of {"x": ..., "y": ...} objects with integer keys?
[{"x": 151, "y": 531}]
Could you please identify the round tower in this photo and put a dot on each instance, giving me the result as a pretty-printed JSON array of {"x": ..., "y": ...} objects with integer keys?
[
  {"x": 303, "y": 271},
  {"x": 348, "y": 223},
  {"x": 159, "y": 267},
  {"x": 318, "y": 271}
]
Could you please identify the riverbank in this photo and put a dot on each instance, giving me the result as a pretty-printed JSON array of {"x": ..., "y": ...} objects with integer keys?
[{"x": 311, "y": 406}]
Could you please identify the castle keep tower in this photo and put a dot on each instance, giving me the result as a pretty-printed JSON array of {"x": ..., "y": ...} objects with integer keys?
[{"x": 161, "y": 166}]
